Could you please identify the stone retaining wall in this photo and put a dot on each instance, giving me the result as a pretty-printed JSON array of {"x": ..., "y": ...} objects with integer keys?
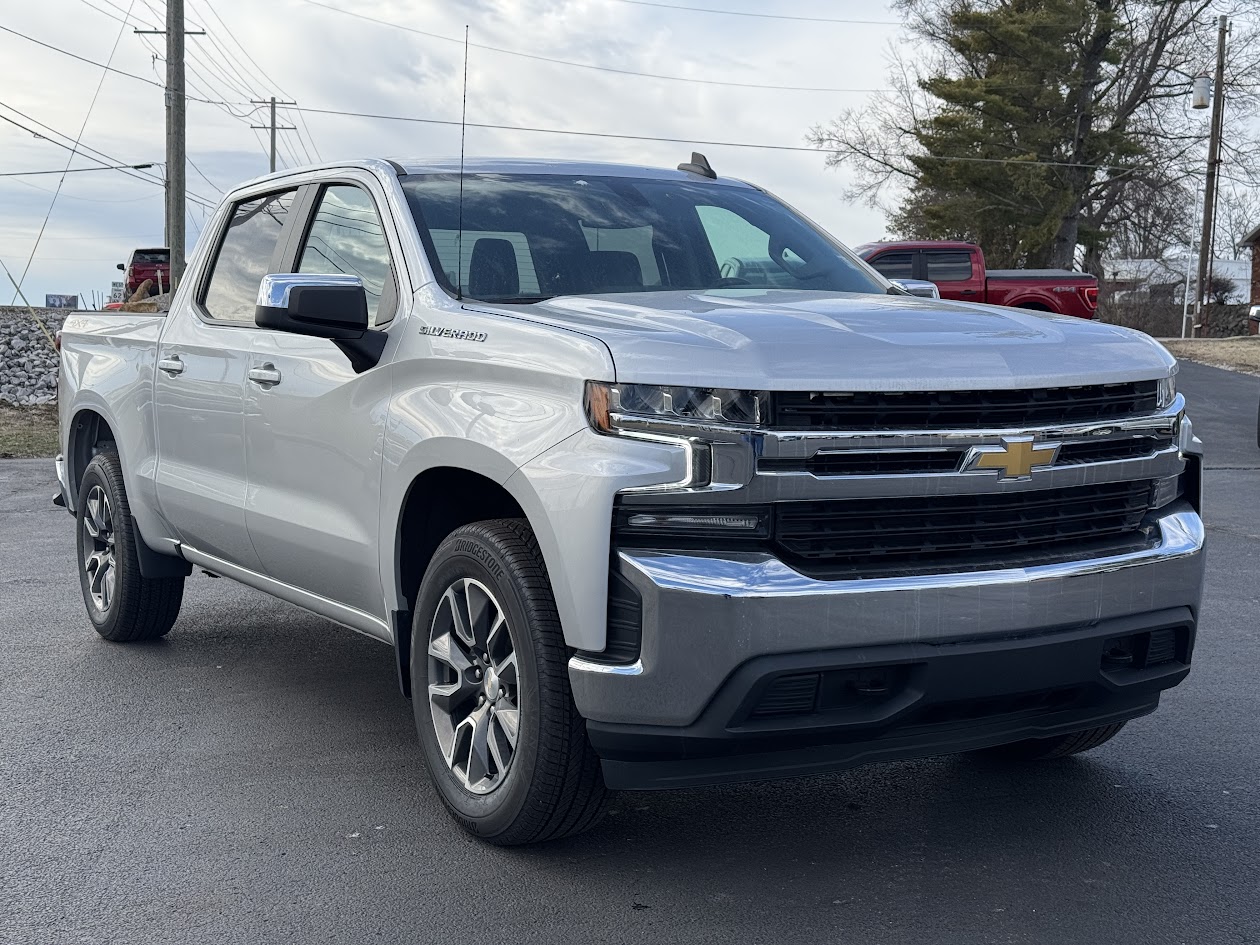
[{"x": 28, "y": 363}]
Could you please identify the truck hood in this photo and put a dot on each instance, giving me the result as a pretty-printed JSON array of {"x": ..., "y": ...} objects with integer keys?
[{"x": 785, "y": 340}]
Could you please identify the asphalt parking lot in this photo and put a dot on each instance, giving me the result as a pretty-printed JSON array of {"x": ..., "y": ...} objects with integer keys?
[{"x": 254, "y": 777}]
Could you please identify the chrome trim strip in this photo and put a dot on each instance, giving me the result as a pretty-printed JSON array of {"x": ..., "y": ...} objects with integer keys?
[
  {"x": 1161, "y": 420},
  {"x": 339, "y": 613},
  {"x": 761, "y": 575},
  {"x": 579, "y": 665}
]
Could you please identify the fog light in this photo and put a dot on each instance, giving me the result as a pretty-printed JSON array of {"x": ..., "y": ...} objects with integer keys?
[{"x": 683, "y": 522}]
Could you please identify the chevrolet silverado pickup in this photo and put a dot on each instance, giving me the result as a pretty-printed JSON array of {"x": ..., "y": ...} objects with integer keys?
[
  {"x": 958, "y": 271},
  {"x": 648, "y": 481}
]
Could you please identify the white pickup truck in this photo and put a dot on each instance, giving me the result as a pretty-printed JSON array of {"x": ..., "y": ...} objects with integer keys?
[{"x": 648, "y": 481}]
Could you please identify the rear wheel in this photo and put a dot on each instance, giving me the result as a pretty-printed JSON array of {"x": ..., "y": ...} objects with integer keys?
[
  {"x": 123, "y": 605},
  {"x": 504, "y": 743},
  {"x": 1060, "y": 746}
]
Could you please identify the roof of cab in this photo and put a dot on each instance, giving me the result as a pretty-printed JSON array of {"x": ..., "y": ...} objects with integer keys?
[{"x": 490, "y": 165}]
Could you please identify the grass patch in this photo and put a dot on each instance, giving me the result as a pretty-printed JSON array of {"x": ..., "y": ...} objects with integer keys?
[
  {"x": 1234, "y": 354},
  {"x": 28, "y": 432}
]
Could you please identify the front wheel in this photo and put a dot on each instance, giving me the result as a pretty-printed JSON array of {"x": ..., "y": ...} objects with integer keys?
[
  {"x": 1059, "y": 746},
  {"x": 505, "y": 746},
  {"x": 123, "y": 605}
]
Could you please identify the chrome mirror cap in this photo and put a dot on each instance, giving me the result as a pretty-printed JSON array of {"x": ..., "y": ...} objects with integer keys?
[
  {"x": 919, "y": 287},
  {"x": 273, "y": 291}
]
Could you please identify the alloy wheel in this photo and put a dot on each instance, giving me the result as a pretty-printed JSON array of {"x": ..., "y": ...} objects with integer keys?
[
  {"x": 99, "y": 549},
  {"x": 474, "y": 688}
]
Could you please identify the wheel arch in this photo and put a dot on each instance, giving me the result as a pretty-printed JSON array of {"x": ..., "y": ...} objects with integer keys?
[
  {"x": 89, "y": 430},
  {"x": 440, "y": 496}
]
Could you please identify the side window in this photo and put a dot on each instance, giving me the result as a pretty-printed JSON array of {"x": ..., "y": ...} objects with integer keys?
[
  {"x": 346, "y": 237},
  {"x": 244, "y": 257},
  {"x": 948, "y": 267},
  {"x": 894, "y": 265}
]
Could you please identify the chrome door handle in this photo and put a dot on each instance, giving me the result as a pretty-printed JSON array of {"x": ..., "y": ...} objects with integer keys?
[
  {"x": 171, "y": 366},
  {"x": 266, "y": 375}
]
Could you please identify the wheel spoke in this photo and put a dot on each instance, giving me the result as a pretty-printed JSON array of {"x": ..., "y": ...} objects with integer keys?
[
  {"x": 478, "y": 748},
  {"x": 459, "y": 616},
  {"x": 481, "y": 610},
  {"x": 508, "y": 721},
  {"x": 448, "y": 649},
  {"x": 107, "y": 585}
]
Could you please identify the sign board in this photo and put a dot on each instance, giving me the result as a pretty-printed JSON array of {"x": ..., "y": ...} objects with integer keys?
[
  {"x": 116, "y": 292},
  {"x": 61, "y": 301}
]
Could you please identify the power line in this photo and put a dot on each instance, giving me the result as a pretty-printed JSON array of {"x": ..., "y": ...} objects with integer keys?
[
  {"x": 100, "y": 157},
  {"x": 760, "y": 16},
  {"x": 585, "y": 65},
  {"x": 80, "y": 170},
  {"x": 689, "y": 141},
  {"x": 102, "y": 65},
  {"x": 73, "y": 151}
]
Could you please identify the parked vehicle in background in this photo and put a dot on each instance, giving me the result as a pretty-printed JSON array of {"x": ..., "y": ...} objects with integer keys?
[
  {"x": 958, "y": 270},
  {"x": 144, "y": 264},
  {"x": 648, "y": 482}
]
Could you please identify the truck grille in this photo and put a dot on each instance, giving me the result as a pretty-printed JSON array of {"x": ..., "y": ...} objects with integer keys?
[
  {"x": 963, "y": 532},
  {"x": 987, "y": 409}
]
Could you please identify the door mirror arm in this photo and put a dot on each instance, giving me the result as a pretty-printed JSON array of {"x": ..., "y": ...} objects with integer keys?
[{"x": 365, "y": 351}]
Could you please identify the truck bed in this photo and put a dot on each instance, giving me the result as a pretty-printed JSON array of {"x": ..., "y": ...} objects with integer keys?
[{"x": 1057, "y": 275}]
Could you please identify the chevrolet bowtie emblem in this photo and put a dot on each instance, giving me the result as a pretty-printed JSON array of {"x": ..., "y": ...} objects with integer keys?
[{"x": 1016, "y": 458}]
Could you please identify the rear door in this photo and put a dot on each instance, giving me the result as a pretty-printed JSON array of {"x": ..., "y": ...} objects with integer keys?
[
  {"x": 314, "y": 429},
  {"x": 955, "y": 272},
  {"x": 199, "y": 388}
]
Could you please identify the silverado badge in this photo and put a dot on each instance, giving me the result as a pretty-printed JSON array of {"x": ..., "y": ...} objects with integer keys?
[{"x": 1016, "y": 458}]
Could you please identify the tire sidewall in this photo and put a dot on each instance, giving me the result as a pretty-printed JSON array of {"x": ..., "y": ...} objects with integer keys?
[
  {"x": 467, "y": 556},
  {"x": 95, "y": 475}
]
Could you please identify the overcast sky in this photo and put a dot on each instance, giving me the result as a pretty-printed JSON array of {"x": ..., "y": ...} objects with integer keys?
[{"x": 330, "y": 60}]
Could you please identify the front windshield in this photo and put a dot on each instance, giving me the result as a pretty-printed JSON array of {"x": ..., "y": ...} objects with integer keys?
[{"x": 528, "y": 237}]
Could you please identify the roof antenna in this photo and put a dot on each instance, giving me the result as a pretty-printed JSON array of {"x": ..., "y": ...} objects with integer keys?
[
  {"x": 699, "y": 164},
  {"x": 459, "y": 237}
]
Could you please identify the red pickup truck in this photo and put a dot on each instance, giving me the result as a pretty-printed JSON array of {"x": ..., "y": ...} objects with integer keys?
[{"x": 958, "y": 270}]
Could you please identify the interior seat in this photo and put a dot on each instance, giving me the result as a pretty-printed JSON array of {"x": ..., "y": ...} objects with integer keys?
[{"x": 492, "y": 270}]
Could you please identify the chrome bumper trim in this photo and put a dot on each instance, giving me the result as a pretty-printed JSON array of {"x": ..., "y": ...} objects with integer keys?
[
  {"x": 763, "y": 575},
  {"x": 578, "y": 664}
]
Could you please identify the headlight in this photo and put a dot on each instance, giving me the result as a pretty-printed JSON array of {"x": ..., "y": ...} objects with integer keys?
[
  {"x": 1166, "y": 391},
  {"x": 607, "y": 403}
]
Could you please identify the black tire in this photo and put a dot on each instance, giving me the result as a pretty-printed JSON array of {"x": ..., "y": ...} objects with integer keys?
[
  {"x": 552, "y": 785},
  {"x": 127, "y": 607},
  {"x": 1060, "y": 746}
]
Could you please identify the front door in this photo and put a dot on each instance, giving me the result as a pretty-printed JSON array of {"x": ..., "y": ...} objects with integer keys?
[
  {"x": 314, "y": 429},
  {"x": 199, "y": 389}
]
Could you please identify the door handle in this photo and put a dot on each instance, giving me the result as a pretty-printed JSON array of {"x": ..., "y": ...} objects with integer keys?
[
  {"x": 267, "y": 375},
  {"x": 172, "y": 365}
]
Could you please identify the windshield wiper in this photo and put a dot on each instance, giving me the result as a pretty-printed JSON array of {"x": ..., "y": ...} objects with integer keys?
[{"x": 517, "y": 300}]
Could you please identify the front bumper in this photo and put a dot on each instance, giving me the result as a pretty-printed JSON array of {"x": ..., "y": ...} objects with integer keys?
[{"x": 706, "y": 619}]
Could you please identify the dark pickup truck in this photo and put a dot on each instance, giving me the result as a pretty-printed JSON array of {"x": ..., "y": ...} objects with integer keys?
[{"x": 959, "y": 272}]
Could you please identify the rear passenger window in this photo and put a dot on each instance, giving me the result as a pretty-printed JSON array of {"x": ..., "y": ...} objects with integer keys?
[
  {"x": 894, "y": 265},
  {"x": 948, "y": 267},
  {"x": 245, "y": 257}
]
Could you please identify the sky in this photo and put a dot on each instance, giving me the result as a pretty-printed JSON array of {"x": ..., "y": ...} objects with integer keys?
[{"x": 303, "y": 51}]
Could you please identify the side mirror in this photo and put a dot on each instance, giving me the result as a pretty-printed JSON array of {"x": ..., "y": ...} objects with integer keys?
[
  {"x": 321, "y": 306},
  {"x": 919, "y": 287},
  {"x": 122, "y": 267}
]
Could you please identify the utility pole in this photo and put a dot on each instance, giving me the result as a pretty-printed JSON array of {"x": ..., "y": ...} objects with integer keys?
[
  {"x": 176, "y": 135},
  {"x": 272, "y": 127},
  {"x": 1213, "y": 165},
  {"x": 176, "y": 142}
]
